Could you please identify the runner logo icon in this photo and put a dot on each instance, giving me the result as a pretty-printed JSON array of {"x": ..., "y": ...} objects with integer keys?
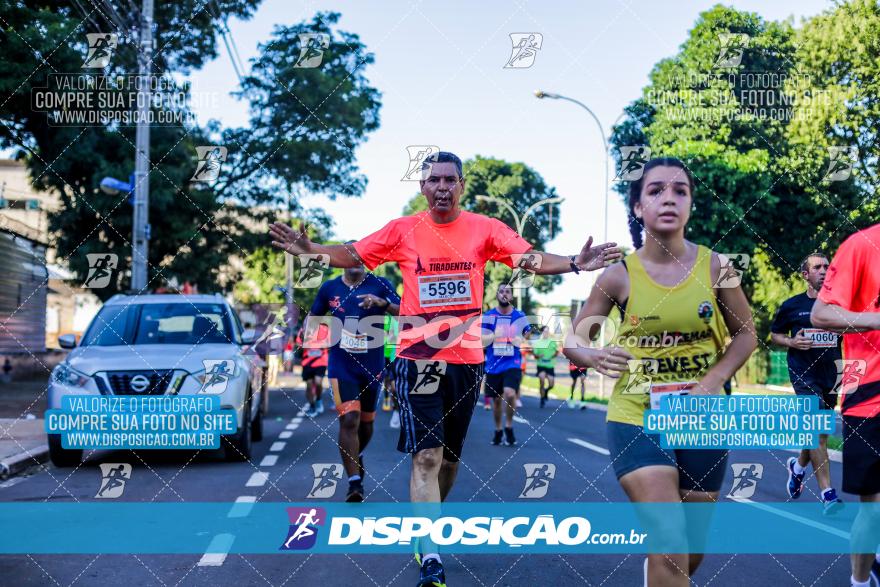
[
  {"x": 303, "y": 531},
  {"x": 428, "y": 376},
  {"x": 101, "y": 47},
  {"x": 745, "y": 479},
  {"x": 525, "y": 47},
  {"x": 208, "y": 167},
  {"x": 311, "y": 50},
  {"x": 538, "y": 477},
  {"x": 731, "y": 50},
  {"x": 101, "y": 267},
  {"x": 418, "y": 155},
  {"x": 733, "y": 265},
  {"x": 641, "y": 374},
  {"x": 113, "y": 478},
  {"x": 217, "y": 374},
  {"x": 311, "y": 270},
  {"x": 849, "y": 375},
  {"x": 840, "y": 163},
  {"x": 632, "y": 162},
  {"x": 327, "y": 475}
]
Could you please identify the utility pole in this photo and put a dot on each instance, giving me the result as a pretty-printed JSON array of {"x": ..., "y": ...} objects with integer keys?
[{"x": 140, "y": 227}]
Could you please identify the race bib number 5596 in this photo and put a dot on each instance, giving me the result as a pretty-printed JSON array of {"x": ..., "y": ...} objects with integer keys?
[{"x": 449, "y": 289}]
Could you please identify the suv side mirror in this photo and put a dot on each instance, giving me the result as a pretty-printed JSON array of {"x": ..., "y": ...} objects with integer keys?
[
  {"x": 67, "y": 341},
  {"x": 249, "y": 336}
]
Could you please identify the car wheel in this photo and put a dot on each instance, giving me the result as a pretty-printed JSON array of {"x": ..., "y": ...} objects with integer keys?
[
  {"x": 237, "y": 447},
  {"x": 63, "y": 457},
  {"x": 257, "y": 424}
]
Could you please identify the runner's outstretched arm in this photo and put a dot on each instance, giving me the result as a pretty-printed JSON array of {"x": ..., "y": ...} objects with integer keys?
[
  {"x": 833, "y": 317},
  {"x": 296, "y": 242},
  {"x": 589, "y": 259}
]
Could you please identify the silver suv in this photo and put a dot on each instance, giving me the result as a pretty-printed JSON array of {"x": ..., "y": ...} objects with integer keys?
[{"x": 164, "y": 345}]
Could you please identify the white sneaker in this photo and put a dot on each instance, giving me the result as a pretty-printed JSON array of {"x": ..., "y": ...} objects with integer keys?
[
  {"x": 395, "y": 419},
  {"x": 319, "y": 407},
  {"x": 518, "y": 403}
]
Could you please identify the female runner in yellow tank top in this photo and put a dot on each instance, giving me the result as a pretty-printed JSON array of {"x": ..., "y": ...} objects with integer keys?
[{"x": 676, "y": 322}]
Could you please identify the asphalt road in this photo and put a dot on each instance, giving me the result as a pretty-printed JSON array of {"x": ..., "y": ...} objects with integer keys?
[{"x": 573, "y": 440}]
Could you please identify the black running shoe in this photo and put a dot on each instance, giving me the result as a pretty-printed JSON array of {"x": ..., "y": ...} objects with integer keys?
[
  {"x": 509, "y": 440},
  {"x": 431, "y": 574},
  {"x": 496, "y": 440},
  {"x": 355, "y": 492}
]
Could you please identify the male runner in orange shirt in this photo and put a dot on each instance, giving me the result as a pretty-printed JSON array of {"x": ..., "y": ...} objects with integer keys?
[
  {"x": 442, "y": 254},
  {"x": 849, "y": 302}
]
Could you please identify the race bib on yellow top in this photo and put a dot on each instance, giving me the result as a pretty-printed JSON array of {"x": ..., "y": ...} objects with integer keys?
[
  {"x": 448, "y": 289},
  {"x": 822, "y": 339},
  {"x": 353, "y": 343},
  {"x": 658, "y": 390}
]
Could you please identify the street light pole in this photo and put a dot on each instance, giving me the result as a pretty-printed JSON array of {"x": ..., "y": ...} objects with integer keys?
[
  {"x": 140, "y": 227},
  {"x": 519, "y": 221},
  {"x": 540, "y": 95}
]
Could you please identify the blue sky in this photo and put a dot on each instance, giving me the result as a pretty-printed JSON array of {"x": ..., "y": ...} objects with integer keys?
[{"x": 439, "y": 66}]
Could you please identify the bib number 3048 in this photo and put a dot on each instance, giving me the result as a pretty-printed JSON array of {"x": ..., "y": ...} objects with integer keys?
[{"x": 449, "y": 289}]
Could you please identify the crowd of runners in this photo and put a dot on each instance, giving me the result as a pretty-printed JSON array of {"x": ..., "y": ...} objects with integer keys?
[{"x": 437, "y": 349}]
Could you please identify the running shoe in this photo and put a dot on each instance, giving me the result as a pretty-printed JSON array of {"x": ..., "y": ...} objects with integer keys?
[
  {"x": 496, "y": 440},
  {"x": 320, "y": 407},
  {"x": 795, "y": 481},
  {"x": 583, "y": 405},
  {"x": 487, "y": 406},
  {"x": 355, "y": 492},
  {"x": 312, "y": 413},
  {"x": 395, "y": 419},
  {"x": 431, "y": 574},
  {"x": 571, "y": 404},
  {"x": 509, "y": 439},
  {"x": 831, "y": 504},
  {"x": 518, "y": 403}
]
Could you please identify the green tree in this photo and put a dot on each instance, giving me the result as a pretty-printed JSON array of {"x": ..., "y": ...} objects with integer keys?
[
  {"x": 520, "y": 186},
  {"x": 304, "y": 127}
]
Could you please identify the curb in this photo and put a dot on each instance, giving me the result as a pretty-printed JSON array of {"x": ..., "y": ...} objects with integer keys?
[{"x": 19, "y": 462}]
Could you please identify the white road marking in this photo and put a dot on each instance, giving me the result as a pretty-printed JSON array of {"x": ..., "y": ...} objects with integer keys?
[
  {"x": 285, "y": 434},
  {"x": 277, "y": 446},
  {"x": 790, "y": 516},
  {"x": 269, "y": 460},
  {"x": 296, "y": 420},
  {"x": 258, "y": 479},
  {"x": 591, "y": 446},
  {"x": 242, "y": 506},
  {"x": 519, "y": 419},
  {"x": 13, "y": 481},
  {"x": 217, "y": 550}
]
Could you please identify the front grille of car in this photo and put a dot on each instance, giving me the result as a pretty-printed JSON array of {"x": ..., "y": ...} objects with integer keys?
[{"x": 145, "y": 382}]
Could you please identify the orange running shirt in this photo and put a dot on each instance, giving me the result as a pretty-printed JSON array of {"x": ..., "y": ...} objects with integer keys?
[
  {"x": 853, "y": 283},
  {"x": 442, "y": 267},
  {"x": 315, "y": 351}
]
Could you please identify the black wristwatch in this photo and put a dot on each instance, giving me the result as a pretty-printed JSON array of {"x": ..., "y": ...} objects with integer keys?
[{"x": 572, "y": 264}]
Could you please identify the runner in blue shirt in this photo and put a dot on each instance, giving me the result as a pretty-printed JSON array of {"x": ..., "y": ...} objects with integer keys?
[{"x": 506, "y": 326}]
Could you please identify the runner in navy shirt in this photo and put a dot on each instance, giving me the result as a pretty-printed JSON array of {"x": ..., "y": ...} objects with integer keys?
[
  {"x": 358, "y": 301},
  {"x": 812, "y": 353},
  {"x": 504, "y": 359}
]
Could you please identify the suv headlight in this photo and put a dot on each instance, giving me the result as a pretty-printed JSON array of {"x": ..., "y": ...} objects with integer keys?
[{"x": 67, "y": 375}]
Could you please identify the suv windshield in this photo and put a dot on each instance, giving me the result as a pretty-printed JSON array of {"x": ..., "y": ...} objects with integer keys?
[{"x": 172, "y": 323}]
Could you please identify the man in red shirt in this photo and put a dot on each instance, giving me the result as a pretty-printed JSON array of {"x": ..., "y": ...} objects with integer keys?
[
  {"x": 442, "y": 254},
  {"x": 849, "y": 302}
]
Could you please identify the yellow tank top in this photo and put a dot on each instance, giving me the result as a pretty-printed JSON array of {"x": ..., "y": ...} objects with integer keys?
[{"x": 675, "y": 333}]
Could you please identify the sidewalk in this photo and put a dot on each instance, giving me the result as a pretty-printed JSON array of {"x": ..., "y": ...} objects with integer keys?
[{"x": 22, "y": 440}]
